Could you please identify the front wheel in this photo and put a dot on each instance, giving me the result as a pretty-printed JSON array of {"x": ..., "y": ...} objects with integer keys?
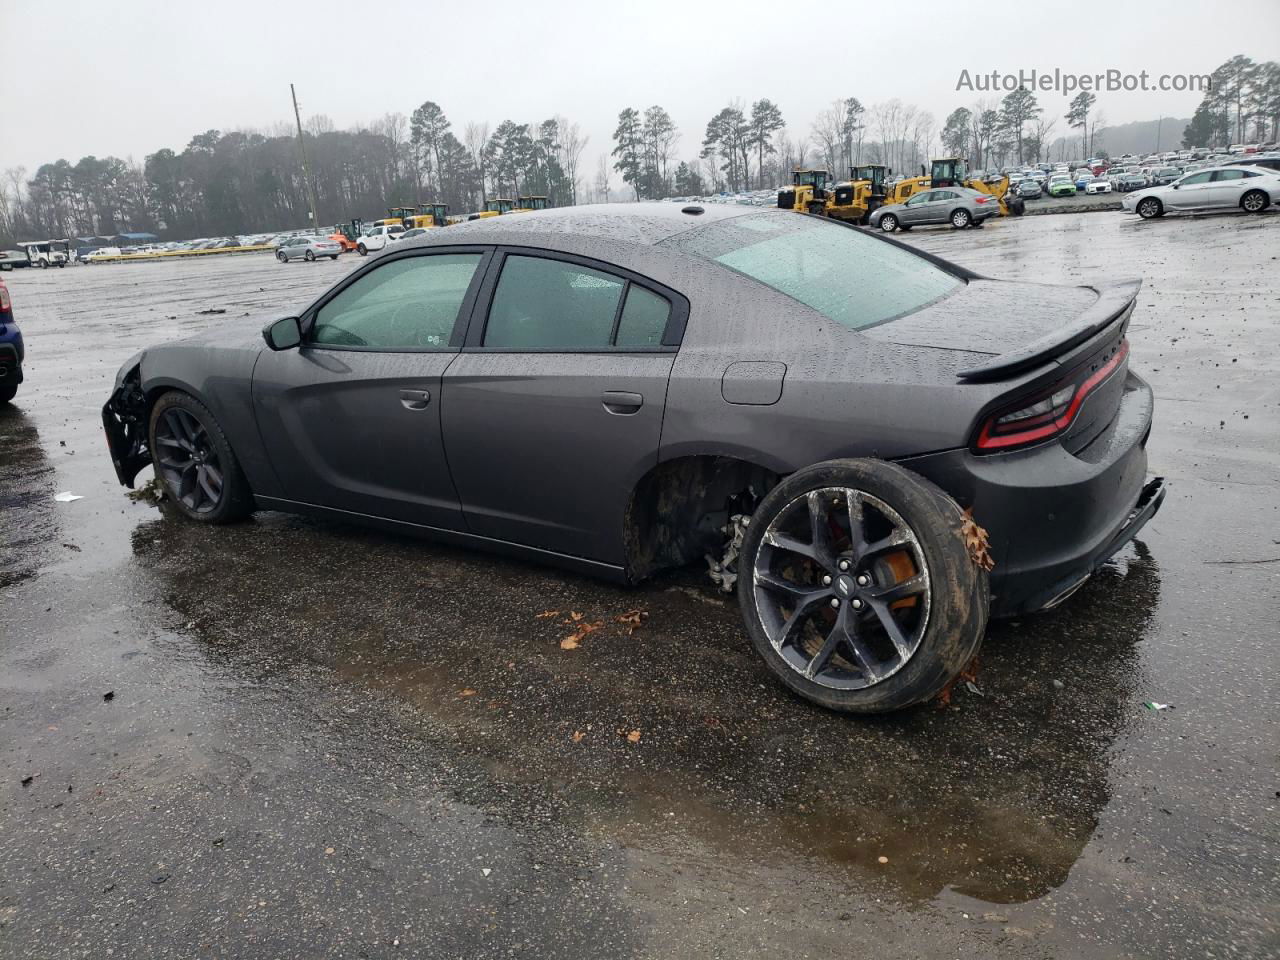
[
  {"x": 857, "y": 586},
  {"x": 1150, "y": 207},
  {"x": 1255, "y": 201},
  {"x": 888, "y": 223},
  {"x": 282, "y": 257},
  {"x": 195, "y": 462},
  {"x": 362, "y": 250},
  {"x": 960, "y": 219},
  {"x": 44, "y": 264}
]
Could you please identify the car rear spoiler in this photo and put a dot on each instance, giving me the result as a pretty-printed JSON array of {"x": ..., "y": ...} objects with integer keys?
[{"x": 1115, "y": 302}]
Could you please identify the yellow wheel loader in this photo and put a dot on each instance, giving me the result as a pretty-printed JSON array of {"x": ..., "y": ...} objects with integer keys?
[
  {"x": 529, "y": 204},
  {"x": 810, "y": 192}
]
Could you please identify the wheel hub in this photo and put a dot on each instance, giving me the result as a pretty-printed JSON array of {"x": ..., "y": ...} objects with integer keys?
[{"x": 844, "y": 587}]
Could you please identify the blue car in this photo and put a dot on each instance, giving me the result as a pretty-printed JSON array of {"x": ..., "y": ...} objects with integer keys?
[
  {"x": 1083, "y": 180},
  {"x": 11, "y": 351}
]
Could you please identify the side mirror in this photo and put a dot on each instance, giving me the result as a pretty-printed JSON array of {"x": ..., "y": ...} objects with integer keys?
[
  {"x": 283, "y": 334},
  {"x": 1175, "y": 186}
]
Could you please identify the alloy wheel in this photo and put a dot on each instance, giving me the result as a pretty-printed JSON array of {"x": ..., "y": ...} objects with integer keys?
[
  {"x": 188, "y": 460},
  {"x": 842, "y": 588},
  {"x": 1253, "y": 202}
]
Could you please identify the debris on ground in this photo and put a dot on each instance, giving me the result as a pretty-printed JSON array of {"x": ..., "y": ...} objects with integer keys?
[
  {"x": 211, "y": 310},
  {"x": 632, "y": 620},
  {"x": 1157, "y": 707},
  {"x": 976, "y": 541},
  {"x": 546, "y": 614},
  {"x": 27, "y": 781},
  {"x": 634, "y": 736},
  {"x": 468, "y": 692},
  {"x": 725, "y": 570},
  {"x": 67, "y": 497},
  {"x": 151, "y": 492},
  {"x": 108, "y": 696},
  {"x": 968, "y": 676},
  {"x": 577, "y": 736},
  {"x": 572, "y": 641}
]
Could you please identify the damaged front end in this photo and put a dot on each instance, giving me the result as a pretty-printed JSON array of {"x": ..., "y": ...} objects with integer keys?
[{"x": 124, "y": 417}]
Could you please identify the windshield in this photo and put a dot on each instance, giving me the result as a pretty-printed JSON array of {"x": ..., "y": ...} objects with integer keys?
[{"x": 851, "y": 277}]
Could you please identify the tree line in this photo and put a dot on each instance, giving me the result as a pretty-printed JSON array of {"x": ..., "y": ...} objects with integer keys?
[
  {"x": 1241, "y": 106},
  {"x": 235, "y": 182}
]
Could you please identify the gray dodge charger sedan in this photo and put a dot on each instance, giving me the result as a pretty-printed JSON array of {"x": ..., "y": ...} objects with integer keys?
[{"x": 904, "y": 447}]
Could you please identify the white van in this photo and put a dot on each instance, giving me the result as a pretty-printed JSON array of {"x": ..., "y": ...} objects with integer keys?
[{"x": 48, "y": 253}]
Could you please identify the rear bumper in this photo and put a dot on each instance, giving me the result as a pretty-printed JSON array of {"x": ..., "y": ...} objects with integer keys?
[
  {"x": 1054, "y": 516},
  {"x": 10, "y": 363}
]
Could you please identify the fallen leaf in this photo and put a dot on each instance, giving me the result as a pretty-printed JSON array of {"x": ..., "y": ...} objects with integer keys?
[
  {"x": 575, "y": 616},
  {"x": 569, "y": 643},
  {"x": 976, "y": 541},
  {"x": 329, "y": 851},
  {"x": 547, "y": 613},
  {"x": 577, "y": 736},
  {"x": 572, "y": 641},
  {"x": 467, "y": 693},
  {"x": 882, "y": 859},
  {"x": 634, "y": 736},
  {"x": 633, "y": 620}
]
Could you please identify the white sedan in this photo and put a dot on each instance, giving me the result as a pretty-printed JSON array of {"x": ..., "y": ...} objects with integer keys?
[
  {"x": 1097, "y": 185},
  {"x": 1251, "y": 189}
]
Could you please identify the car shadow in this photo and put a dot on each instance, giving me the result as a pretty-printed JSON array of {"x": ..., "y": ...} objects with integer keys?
[{"x": 646, "y": 713}]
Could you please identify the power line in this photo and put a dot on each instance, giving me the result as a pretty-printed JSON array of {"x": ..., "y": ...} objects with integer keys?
[{"x": 306, "y": 167}]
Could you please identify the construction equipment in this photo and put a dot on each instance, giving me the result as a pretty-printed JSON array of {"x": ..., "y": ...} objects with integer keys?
[
  {"x": 809, "y": 193},
  {"x": 954, "y": 172},
  {"x": 496, "y": 207},
  {"x": 401, "y": 214},
  {"x": 347, "y": 235},
  {"x": 437, "y": 212},
  {"x": 855, "y": 200},
  {"x": 530, "y": 204}
]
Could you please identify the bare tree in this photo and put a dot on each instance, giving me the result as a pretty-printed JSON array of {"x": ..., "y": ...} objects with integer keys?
[
  {"x": 602, "y": 179},
  {"x": 571, "y": 143},
  {"x": 476, "y": 137},
  {"x": 828, "y": 134}
]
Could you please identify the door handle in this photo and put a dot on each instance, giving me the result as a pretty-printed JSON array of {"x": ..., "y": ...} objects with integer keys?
[
  {"x": 621, "y": 403},
  {"x": 415, "y": 399}
]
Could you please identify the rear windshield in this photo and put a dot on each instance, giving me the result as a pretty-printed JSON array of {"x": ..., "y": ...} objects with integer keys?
[{"x": 853, "y": 278}]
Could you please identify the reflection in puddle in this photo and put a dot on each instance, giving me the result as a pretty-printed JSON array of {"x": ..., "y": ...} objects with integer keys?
[
  {"x": 28, "y": 522},
  {"x": 995, "y": 799}
]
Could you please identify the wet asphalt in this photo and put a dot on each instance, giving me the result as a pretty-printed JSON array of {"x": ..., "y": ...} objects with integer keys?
[{"x": 291, "y": 738}]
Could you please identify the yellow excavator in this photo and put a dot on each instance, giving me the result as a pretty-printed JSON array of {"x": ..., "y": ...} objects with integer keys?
[
  {"x": 810, "y": 192},
  {"x": 530, "y": 204},
  {"x": 954, "y": 172}
]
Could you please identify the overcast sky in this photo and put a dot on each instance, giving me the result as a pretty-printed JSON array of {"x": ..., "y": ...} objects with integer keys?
[{"x": 127, "y": 78}]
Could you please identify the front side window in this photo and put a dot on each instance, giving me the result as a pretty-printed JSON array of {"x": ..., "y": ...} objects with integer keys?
[
  {"x": 1196, "y": 178},
  {"x": 411, "y": 303},
  {"x": 543, "y": 304},
  {"x": 851, "y": 277}
]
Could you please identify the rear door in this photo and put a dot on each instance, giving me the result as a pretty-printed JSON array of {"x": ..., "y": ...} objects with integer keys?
[
  {"x": 1227, "y": 187},
  {"x": 351, "y": 418},
  {"x": 553, "y": 410}
]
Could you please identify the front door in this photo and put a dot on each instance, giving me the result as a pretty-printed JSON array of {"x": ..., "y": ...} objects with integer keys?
[
  {"x": 553, "y": 410},
  {"x": 1193, "y": 191},
  {"x": 351, "y": 418},
  {"x": 916, "y": 209}
]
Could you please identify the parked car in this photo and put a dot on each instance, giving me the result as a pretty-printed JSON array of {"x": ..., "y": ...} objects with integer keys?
[
  {"x": 308, "y": 248},
  {"x": 659, "y": 337},
  {"x": 1164, "y": 175},
  {"x": 959, "y": 206},
  {"x": 409, "y": 234},
  {"x": 101, "y": 253},
  {"x": 1267, "y": 163},
  {"x": 1082, "y": 178},
  {"x": 1098, "y": 185},
  {"x": 1029, "y": 189},
  {"x": 11, "y": 259},
  {"x": 1061, "y": 185},
  {"x": 1236, "y": 187},
  {"x": 1131, "y": 180},
  {"x": 375, "y": 238},
  {"x": 12, "y": 352}
]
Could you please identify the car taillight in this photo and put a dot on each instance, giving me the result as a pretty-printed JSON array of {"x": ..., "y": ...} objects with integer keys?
[
  {"x": 6, "y": 304},
  {"x": 1048, "y": 414},
  {"x": 981, "y": 199}
]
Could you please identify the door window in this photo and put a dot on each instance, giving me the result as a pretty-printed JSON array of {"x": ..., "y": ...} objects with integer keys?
[
  {"x": 1196, "y": 178},
  {"x": 1220, "y": 175},
  {"x": 644, "y": 319},
  {"x": 543, "y": 304},
  {"x": 919, "y": 198},
  {"x": 411, "y": 303}
]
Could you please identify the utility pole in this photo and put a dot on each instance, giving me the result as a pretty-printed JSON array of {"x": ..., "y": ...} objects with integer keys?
[{"x": 306, "y": 167}]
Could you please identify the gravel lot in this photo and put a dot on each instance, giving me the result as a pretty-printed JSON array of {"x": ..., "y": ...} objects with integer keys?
[{"x": 290, "y": 738}]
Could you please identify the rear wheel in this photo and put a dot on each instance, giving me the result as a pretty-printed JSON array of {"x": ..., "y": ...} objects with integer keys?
[
  {"x": 309, "y": 257},
  {"x": 333, "y": 256},
  {"x": 194, "y": 460},
  {"x": 888, "y": 223},
  {"x": 861, "y": 595},
  {"x": 44, "y": 264},
  {"x": 960, "y": 218},
  {"x": 1150, "y": 207},
  {"x": 8, "y": 392},
  {"x": 1255, "y": 201}
]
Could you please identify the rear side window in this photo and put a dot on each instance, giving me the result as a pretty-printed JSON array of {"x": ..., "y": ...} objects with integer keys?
[
  {"x": 544, "y": 304},
  {"x": 644, "y": 319},
  {"x": 407, "y": 304},
  {"x": 846, "y": 275}
]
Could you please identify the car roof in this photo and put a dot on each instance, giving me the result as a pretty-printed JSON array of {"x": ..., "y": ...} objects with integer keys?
[{"x": 642, "y": 224}]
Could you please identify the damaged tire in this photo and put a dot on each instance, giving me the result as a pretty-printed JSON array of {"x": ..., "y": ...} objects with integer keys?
[
  {"x": 857, "y": 587},
  {"x": 192, "y": 457}
]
